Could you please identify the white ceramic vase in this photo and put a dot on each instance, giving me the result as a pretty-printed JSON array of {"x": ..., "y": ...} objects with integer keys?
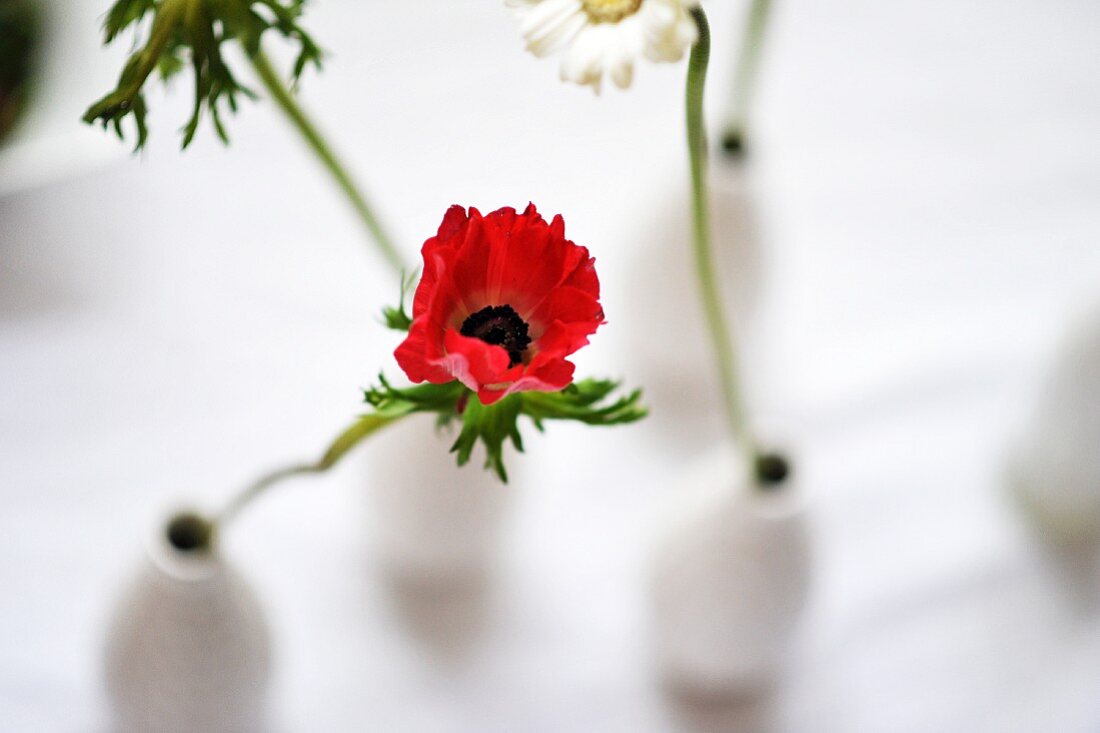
[
  {"x": 730, "y": 579},
  {"x": 1055, "y": 466},
  {"x": 665, "y": 306},
  {"x": 188, "y": 648},
  {"x": 432, "y": 521}
]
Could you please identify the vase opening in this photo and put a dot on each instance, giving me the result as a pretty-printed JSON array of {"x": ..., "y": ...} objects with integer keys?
[
  {"x": 771, "y": 471},
  {"x": 733, "y": 144},
  {"x": 188, "y": 532}
]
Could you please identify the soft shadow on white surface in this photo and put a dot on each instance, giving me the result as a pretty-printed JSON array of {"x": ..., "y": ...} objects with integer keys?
[
  {"x": 1073, "y": 570},
  {"x": 748, "y": 712},
  {"x": 447, "y": 619}
]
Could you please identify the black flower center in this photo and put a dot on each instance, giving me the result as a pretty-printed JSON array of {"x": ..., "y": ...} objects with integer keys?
[{"x": 499, "y": 325}]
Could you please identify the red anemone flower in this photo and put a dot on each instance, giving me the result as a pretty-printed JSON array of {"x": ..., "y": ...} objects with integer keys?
[{"x": 503, "y": 299}]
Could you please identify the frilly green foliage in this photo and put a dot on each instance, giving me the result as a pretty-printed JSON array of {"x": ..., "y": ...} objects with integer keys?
[
  {"x": 495, "y": 425},
  {"x": 192, "y": 32},
  {"x": 396, "y": 317},
  {"x": 20, "y": 36}
]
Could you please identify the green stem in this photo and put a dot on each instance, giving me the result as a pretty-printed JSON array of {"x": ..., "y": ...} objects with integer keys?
[
  {"x": 361, "y": 429},
  {"x": 164, "y": 24},
  {"x": 705, "y": 266},
  {"x": 324, "y": 153},
  {"x": 744, "y": 82}
]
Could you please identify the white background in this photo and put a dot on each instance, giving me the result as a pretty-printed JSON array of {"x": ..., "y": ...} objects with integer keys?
[{"x": 927, "y": 178}]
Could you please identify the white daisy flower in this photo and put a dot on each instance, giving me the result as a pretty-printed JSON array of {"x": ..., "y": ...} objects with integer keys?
[{"x": 605, "y": 36}]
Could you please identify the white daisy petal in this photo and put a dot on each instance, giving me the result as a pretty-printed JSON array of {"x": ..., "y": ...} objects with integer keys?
[
  {"x": 555, "y": 37},
  {"x": 541, "y": 24},
  {"x": 669, "y": 30},
  {"x": 535, "y": 16},
  {"x": 622, "y": 71},
  {"x": 604, "y": 37},
  {"x": 629, "y": 44},
  {"x": 583, "y": 62}
]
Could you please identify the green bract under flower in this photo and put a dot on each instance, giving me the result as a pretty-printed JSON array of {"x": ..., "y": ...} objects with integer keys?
[
  {"x": 587, "y": 401},
  {"x": 191, "y": 32}
]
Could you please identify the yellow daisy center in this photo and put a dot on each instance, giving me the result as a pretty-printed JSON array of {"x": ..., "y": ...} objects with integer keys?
[{"x": 610, "y": 11}]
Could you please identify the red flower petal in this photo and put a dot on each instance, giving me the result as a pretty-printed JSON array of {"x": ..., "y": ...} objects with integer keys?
[
  {"x": 474, "y": 362},
  {"x": 501, "y": 259}
]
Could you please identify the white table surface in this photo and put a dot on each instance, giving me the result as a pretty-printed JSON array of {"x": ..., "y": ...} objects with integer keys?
[{"x": 927, "y": 176}]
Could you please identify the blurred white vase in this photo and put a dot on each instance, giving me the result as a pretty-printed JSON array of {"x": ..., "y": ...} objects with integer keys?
[
  {"x": 665, "y": 306},
  {"x": 188, "y": 647},
  {"x": 1055, "y": 467},
  {"x": 730, "y": 579},
  {"x": 432, "y": 521}
]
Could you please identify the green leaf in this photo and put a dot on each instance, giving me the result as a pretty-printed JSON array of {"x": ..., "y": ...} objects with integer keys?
[
  {"x": 195, "y": 30},
  {"x": 580, "y": 402},
  {"x": 21, "y": 37},
  {"x": 397, "y": 318},
  {"x": 443, "y": 399},
  {"x": 123, "y": 14},
  {"x": 497, "y": 424},
  {"x": 492, "y": 425},
  {"x": 169, "y": 65}
]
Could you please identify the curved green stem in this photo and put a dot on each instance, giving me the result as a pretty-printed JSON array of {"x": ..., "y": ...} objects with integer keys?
[
  {"x": 164, "y": 24},
  {"x": 705, "y": 266},
  {"x": 361, "y": 429},
  {"x": 143, "y": 62},
  {"x": 744, "y": 81},
  {"x": 324, "y": 153}
]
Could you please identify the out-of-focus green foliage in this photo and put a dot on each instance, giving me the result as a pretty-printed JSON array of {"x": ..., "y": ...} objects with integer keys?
[
  {"x": 181, "y": 33},
  {"x": 494, "y": 425},
  {"x": 20, "y": 30}
]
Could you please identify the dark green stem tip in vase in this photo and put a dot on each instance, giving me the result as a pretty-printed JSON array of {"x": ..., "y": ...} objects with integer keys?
[
  {"x": 771, "y": 471},
  {"x": 733, "y": 144},
  {"x": 20, "y": 32},
  {"x": 188, "y": 532}
]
